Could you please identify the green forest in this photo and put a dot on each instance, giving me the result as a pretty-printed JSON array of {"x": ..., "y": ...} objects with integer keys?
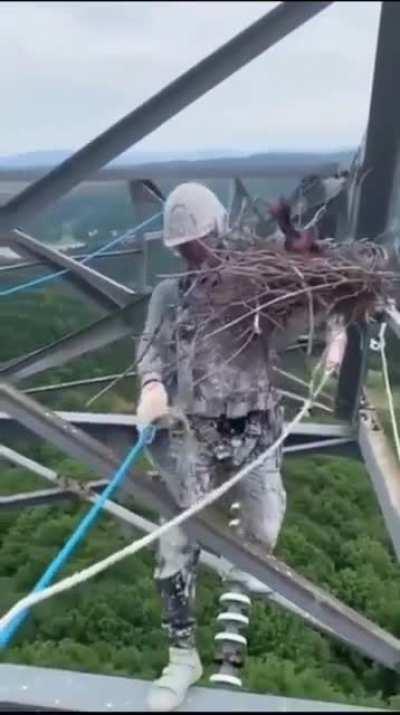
[{"x": 333, "y": 534}]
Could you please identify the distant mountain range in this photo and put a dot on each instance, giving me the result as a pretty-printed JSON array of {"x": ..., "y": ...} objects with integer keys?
[{"x": 42, "y": 159}]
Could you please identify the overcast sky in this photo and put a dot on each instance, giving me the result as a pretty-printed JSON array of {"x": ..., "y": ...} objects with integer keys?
[{"x": 70, "y": 70}]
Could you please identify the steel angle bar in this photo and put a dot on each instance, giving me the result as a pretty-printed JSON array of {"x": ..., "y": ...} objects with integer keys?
[
  {"x": 123, "y": 515},
  {"x": 353, "y": 372},
  {"x": 118, "y": 430},
  {"x": 216, "y": 563},
  {"x": 143, "y": 200},
  {"x": 243, "y": 190},
  {"x": 129, "y": 518},
  {"x": 78, "y": 383},
  {"x": 47, "y": 497},
  {"x": 154, "y": 190},
  {"x": 37, "y": 498},
  {"x": 105, "y": 291},
  {"x": 52, "y": 427},
  {"x": 97, "y": 335},
  {"x": 266, "y": 225},
  {"x": 29, "y": 688},
  {"x": 77, "y": 257},
  {"x": 190, "y": 86},
  {"x": 236, "y": 202},
  {"x": 10, "y": 455},
  {"x": 318, "y": 445},
  {"x": 145, "y": 191},
  {"x": 382, "y": 145},
  {"x": 384, "y": 470},
  {"x": 346, "y": 624},
  {"x": 72, "y": 485},
  {"x": 323, "y": 429},
  {"x": 381, "y": 158}
]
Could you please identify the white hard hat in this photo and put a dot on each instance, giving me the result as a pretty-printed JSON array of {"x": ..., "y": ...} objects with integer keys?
[{"x": 192, "y": 211}]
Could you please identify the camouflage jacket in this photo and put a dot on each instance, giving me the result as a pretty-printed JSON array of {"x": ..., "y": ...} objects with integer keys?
[{"x": 204, "y": 378}]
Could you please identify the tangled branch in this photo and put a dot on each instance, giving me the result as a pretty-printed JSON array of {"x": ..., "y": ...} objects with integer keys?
[{"x": 263, "y": 287}]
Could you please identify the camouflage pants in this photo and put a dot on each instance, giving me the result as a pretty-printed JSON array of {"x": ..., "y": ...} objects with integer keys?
[{"x": 191, "y": 469}]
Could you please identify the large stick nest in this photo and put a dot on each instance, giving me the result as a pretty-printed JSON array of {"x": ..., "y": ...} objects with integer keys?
[{"x": 267, "y": 285}]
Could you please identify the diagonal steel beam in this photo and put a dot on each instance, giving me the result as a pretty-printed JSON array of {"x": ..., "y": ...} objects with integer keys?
[
  {"x": 346, "y": 624},
  {"x": 104, "y": 291},
  {"x": 77, "y": 257},
  {"x": 265, "y": 225},
  {"x": 127, "y": 518},
  {"x": 236, "y": 202},
  {"x": 145, "y": 190},
  {"x": 242, "y": 190},
  {"x": 97, "y": 335},
  {"x": 164, "y": 105},
  {"x": 78, "y": 383},
  {"x": 45, "y": 497},
  {"x": 133, "y": 521}
]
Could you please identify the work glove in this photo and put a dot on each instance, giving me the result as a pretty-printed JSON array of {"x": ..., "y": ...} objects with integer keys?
[{"x": 153, "y": 403}]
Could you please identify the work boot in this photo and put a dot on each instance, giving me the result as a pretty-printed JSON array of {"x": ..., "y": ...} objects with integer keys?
[{"x": 169, "y": 691}]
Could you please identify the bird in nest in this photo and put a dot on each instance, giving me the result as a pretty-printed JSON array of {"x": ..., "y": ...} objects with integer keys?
[{"x": 297, "y": 241}]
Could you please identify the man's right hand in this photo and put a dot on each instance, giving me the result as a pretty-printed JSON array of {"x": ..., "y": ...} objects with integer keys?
[{"x": 153, "y": 403}]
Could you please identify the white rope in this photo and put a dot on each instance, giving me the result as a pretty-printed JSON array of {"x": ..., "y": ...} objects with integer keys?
[
  {"x": 389, "y": 393},
  {"x": 148, "y": 539},
  {"x": 297, "y": 379}
]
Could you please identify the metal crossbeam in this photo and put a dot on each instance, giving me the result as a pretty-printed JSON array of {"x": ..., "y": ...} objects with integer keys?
[
  {"x": 31, "y": 688},
  {"x": 104, "y": 291},
  {"x": 97, "y": 335},
  {"x": 130, "y": 519},
  {"x": 46, "y": 496},
  {"x": 190, "y": 86},
  {"x": 240, "y": 195},
  {"x": 207, "y": 528},
  {"x": 118, "y": 431}
]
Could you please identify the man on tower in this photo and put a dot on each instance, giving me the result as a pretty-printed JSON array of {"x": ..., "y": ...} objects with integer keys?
[{"x": 233, "y": 411}]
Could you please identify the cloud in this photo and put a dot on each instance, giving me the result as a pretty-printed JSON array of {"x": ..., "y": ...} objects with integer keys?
[{"x": 70, "y": 70}]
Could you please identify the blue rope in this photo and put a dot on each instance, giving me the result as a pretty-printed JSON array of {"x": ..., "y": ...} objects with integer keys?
[
  {"x": 52, "y": 276},
  {"x": 145, "y": 437}
]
